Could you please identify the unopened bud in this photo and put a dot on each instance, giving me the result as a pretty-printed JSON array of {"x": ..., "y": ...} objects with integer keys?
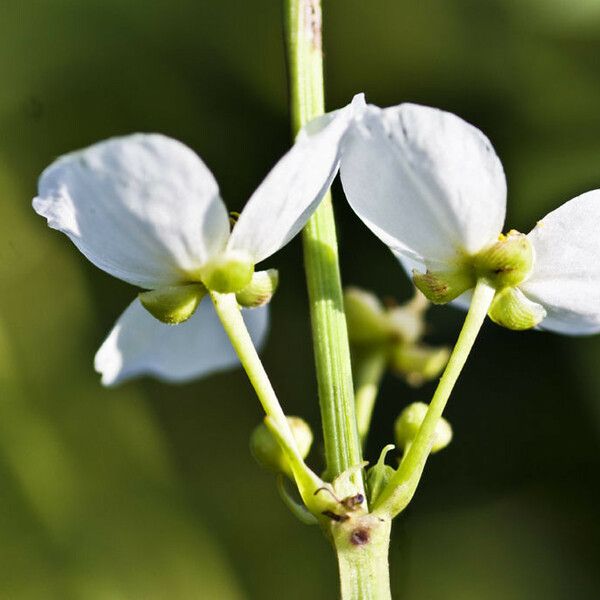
[
  {"x": 260, "y": 290},
  {"x": 508, "y": 262},
  {"x": 441, "y": 287},
  {"x": 418, "y": 363},
  {"x": 228, "y": 272},
  {"x": 511, "y": 309},
  {"x": 365, "y": 316},
  {"x": 409, "y": 422},
  {"x": 267, "y": 451},
  {"x": 379, "y": 475},
  {"x": 174, "y": 303}
]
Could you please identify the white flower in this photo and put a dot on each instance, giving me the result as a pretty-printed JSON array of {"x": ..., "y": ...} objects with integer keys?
[
  {"x": 146, "y": 209},
  {"x": 431, "y": 187}
]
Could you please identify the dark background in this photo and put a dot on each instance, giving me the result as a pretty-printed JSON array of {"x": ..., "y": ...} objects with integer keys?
[{"x": 148, "y": 491}]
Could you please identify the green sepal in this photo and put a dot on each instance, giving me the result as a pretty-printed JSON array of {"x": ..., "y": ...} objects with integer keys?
[
  {"x": 418, "y": 363},
  {"x": 260, "y": 290},
  {"x": 511, "y": 309},
  {"x": 409, "y": 422},
  {"x": 173, "y": 304},
  {"x": 268, "y": 452},
  {"x": 507, "y": 262},
  {"x": 379, "y": 476},
  {"x": 441, "y": 287},
  {"x": 227, "y": 273}
]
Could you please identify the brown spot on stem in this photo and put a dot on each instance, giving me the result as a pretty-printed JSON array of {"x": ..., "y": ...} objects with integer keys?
[
  {"x": 360, "y": 536},
  {"x": 313, "y": 20}
]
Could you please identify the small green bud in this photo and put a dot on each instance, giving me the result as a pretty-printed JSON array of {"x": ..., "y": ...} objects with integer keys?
[
  {"x": 228, "y": 272},
  {"x": 511, "y": 309},
  {"x": 267, "y": 451},
  {"x": 173, "y": 304},
  {"x": 442, "y": 287},
  {"x": 418, "y": 363},
  {"x": 379, "y": 475},
  {"x": 409, "y": 422},
  {"x": 508, "y": 262},
  {"x": 366, "y": 317},
  {"x": 260, "y": 290}
]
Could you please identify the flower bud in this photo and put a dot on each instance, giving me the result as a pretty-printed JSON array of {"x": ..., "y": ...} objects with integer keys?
[
  {"x": 418, "y": 363},
  {"x": 511, "y": 309},
  {"x": 379, "y": 475},
  {"x": 409, "y": 422},
  {"x": 442, "y": 287},
  {"x": 267, "y": 451},
  {"x": 366, "y": 317},
  {"x": 173, "y": 304},
  {"x": 260, "y": 290},
  {"x": 228, "y": 272},
  {"x": 508, "y": 262}
]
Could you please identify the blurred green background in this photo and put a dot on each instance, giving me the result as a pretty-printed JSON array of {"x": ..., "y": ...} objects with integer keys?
[{"x": 148, "y": 491}]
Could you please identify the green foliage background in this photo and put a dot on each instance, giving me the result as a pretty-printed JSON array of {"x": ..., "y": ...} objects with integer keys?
[{"x": 148, "y": 491}]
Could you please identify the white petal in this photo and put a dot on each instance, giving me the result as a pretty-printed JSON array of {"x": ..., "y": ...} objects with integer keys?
[
  {"x": 139, "y": 344},
  {"x": 427, "y": 183},
  {"x": 143, "y": 208},
  {"x": 566, "y": 272},
  {"x": 286, "y": 199}
]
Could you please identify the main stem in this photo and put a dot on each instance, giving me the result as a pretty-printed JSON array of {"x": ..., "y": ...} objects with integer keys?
[
  {"x": 361, "y": 542},
  {"x": 401, "y": 487},
  {"x": 330, "y": 335}
]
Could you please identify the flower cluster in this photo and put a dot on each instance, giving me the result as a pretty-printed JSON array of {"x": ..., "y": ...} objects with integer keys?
[
  {"x": 146, "y": 209},
  {"x": 395, "y": 331}
]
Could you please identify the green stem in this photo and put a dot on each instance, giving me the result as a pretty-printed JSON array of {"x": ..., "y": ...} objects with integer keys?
[
  {"x": 330, "y": 335},
  {"x": 229, "y": 314},
  {"x": 364, "y": 569},
  {"x": 368, "y": 371},
  {"x": 363, "y": 565},
  {"x": 231, "y": 318},
  {"x": 401, "y": 487}
]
